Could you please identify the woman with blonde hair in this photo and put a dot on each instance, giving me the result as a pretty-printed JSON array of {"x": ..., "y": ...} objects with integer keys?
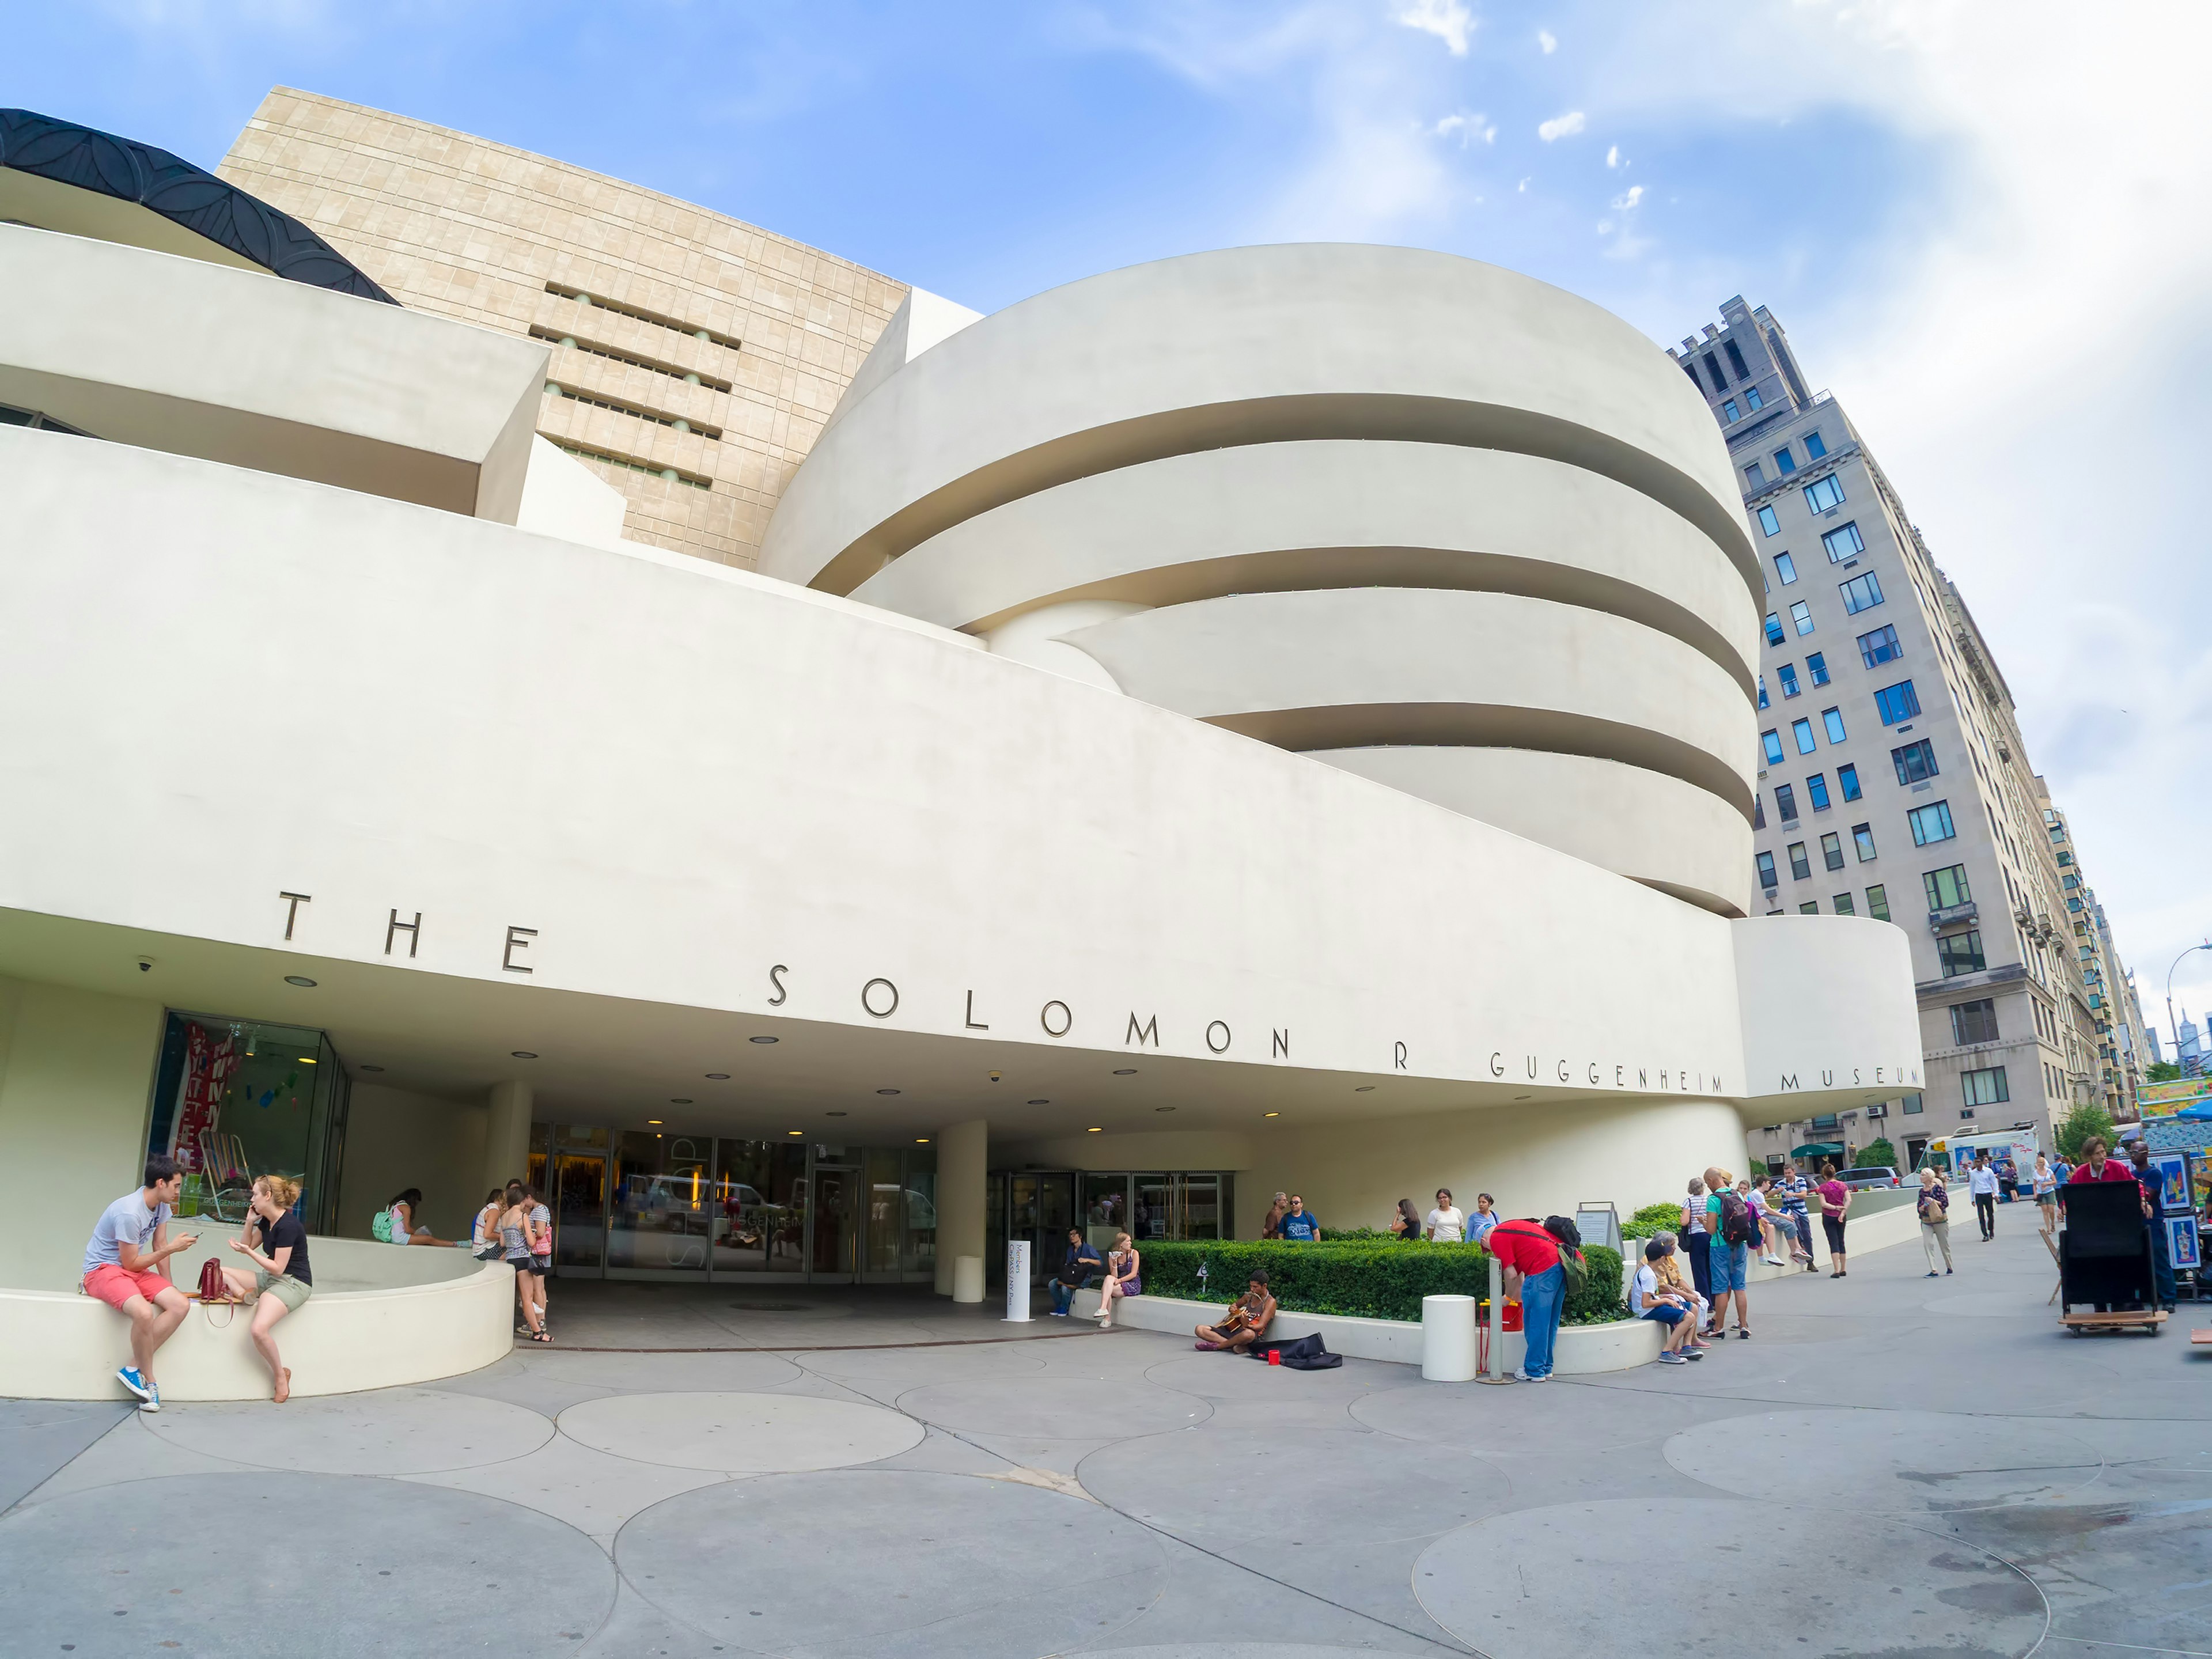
[
  {"x": 1122, "y": 1279},
  {"x": 281, "y": 1281}
]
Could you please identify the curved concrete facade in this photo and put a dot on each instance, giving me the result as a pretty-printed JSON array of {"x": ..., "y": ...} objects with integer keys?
[{"x": 1333, "y": 498}]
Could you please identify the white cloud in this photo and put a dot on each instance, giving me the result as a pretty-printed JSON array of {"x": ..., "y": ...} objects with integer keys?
[
  {"x": 1450, "y": 21},
  {"x": 1612, "y": 155},
  {"x": 1561, "y": 126},
  {"x": 1549, "y": 41},
  {"x": 1466, "y": 128},
  {"x": 1622, "y": 203},
  {"x": 1522, "y": 186}
]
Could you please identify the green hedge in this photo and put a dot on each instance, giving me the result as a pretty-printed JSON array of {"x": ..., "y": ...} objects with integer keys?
[
  {"x": 1360, "y": 1278},
  {"x": 1652, "y": 1219}
]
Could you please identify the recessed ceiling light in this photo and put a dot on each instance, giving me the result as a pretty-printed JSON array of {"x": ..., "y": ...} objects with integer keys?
[
  {"x": 840, "y": 1115},
  {"x": 1271, "y": 1115},
  {"x": 674, "y": 1100},
  {"x": 1524, "y": 1096},
  {"x": 795, "y": 1132},
  {"x": 1126, "y": 1071},
  {"x": 651, "y": 1122},
  {"x": 760, "y": 1039},
  {"x": 886, "y": 1092},
  {"x": 1094, "y": 1129},
  {"x": 521, "y": 1053},
  {"x": 718, "y": 1077},
  {"x": 921, "y": 1140},
  {"x": 1040, "y": 1102},
  {"x": 1163, "y": 1108},
  {"x": 372, "y": 1068},
  {"x": 299, "y": 979},
  {"x": 307, "y": 1059},
  {"x": 1364, "y": 1089}
]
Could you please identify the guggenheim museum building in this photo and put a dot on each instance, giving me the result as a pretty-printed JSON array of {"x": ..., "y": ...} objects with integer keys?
[{"x": 508, "y": 673}]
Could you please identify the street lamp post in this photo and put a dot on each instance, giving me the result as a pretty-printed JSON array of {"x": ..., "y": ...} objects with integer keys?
[{"x": 2173, "y": 1029}]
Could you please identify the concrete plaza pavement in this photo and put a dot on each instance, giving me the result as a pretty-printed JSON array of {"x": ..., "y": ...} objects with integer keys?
[{"x": 1891, "y": 1466}]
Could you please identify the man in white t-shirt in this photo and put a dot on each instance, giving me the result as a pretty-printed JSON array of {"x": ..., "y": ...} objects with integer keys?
[
  {"x": 126, "y": 1267},
  {"x": 1445, "y": 1226}
]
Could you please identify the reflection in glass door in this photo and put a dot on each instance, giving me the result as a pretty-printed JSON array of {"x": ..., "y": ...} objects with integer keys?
[
  {"x": 580, "y": 1215},
  {"x": 833, "y": 1231}
]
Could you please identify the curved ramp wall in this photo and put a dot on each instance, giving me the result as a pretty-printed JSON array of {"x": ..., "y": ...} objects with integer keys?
[{"x": 1345, "y": 500}]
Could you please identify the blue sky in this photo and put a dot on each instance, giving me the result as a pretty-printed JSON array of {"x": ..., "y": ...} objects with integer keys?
[{"x": 1982, "y": 225}]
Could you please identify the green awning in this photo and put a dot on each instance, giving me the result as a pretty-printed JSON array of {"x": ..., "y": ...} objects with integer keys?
[{"x": 1820, "y": 1149}]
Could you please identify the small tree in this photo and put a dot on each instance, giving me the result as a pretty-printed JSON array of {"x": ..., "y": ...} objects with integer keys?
[
  {"x": 2078, "y": 1126},
  {"x": 2162, "y": 1070},
  {"x": 1876, "y": 1154}
]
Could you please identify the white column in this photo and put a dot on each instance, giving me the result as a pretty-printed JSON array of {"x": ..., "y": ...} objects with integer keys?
[
  {"x": 507, "y": 1136},
  {"x": 964, "y": 1154}
]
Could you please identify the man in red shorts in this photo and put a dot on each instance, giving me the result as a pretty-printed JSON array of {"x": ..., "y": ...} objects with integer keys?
[{"x": 126, "y": 1267}]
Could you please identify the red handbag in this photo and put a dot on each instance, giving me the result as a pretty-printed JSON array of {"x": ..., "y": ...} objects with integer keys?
[{"x": 214, "y": 1291}]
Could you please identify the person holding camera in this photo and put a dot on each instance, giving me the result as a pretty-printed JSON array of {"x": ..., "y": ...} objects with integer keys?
[{"x": 126, "y": 1264}]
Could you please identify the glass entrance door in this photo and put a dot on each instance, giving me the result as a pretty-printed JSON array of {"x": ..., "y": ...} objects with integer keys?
[
  {"x": 580, "y": 1215},
  {"x": 834, "y": 1253}
]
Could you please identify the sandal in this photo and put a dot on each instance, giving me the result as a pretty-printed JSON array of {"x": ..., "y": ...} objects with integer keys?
[{"x": 541, "y": 1336}]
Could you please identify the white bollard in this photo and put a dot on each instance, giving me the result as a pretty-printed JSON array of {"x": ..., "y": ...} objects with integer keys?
[
  {"x": 1448, "y": 1339},
  {"x": 967, "y": 1278},
  {"x": 1017, "y": 1281}
]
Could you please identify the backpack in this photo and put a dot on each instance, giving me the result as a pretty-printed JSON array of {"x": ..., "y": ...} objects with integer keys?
[
  {"x": 1307, "y": 1353},
  {"x": 1736, "y": 1226},
  {"x": 1569, "y": 1238},
  {"x": 379, "y": 1227}
]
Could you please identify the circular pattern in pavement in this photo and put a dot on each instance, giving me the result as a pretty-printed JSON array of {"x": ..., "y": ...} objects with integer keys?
[
  {"x": 726, "y": 1368},
  {"x": 1574, "y": 1578},
  {"x": 390, "y": 1431},
  {"x": 878, "y": 1564},
  {"x": 1913, "y": 1463},
  {"x": 1064, "y": 1408},
  {"x": 740, "y": 1433},
  {"x": 175, "y": 1565},
  {"x": 1472, "y": 1417},
  {"x": 913, "y": 1367}
]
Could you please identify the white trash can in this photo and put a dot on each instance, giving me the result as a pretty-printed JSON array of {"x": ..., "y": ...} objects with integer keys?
[
  {"x": 1448, "y": 1339},
  {"x": 967, "y": 1278}
]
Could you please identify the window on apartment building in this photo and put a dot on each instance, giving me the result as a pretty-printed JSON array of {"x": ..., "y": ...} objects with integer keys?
[
  {"x": 1788, "y": 675},
  {"x": 1878, "y": 903},
  {"x": 1774, "y": 634},
  {"x": 2096, "y": 999},
  {"x": 1785, "y": 462},
  {"x": 1816, "y": 790},
  {"x": 1770, "y": 744},
  {"x": 1965, "y": 1114},
  {"x": 1785, "y": 569},
  {"x": 1729, "y": 413},
  {"x": 1974, "y": 1022},
  {"x": 1844, "y": 905},
  {"x": 1960, "y": 953},
  {"x": 1947, "y": 887},
  {"x": 1758, "y": 479},
  {"x": 1800, "y": 868},
  {"x": 2074, "y": 905},
  {"x": 1735, "y": 360},
  {"x": 1814, "y": 446},
  {"x": 1785, "y": 802},
  {"x": 1844, "y": 542},
  {"x": 1879, "y": 646},
  {"x": 2070, "y": 882},
  {"x": 1759, "y": 812},
  {"x": 1751, "y": 397},
  {"x": 1713, "y": 369},
  {"x": 1764, "y": 865},
  {"x": 1915, "y": 763},
  {"x": 1832, "y": 850},
  {"x": 1897, "y": 702},
  {"x": 2065, "y": 859},
  {"x": 1769, "y": 522},
  {"x": 1863, "y": 841},
  {"x": 1985, "y": 1087},
  {"x": 1802, "y": 731},
  {"x": 1931, "y": 823},
  {"x": 1802, "y": 614},
  {"x": 1913, "y": 1103},
  {"x": 1762, "y": 690},
  {"x": 1824, "y": 495},
  {"x": 1832, "y": 720},
  {"x": 1862, "y": 593},
  {"x": 1847, "y": 779}
]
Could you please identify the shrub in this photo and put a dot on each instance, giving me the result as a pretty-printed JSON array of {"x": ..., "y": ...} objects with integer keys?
[
  {"x": 2075, "y": 1129},
  {"x": 1357, "y": 1278},
  {"x": 1877, "y": 1155},
  {"x": 1663, "y": 1217}
]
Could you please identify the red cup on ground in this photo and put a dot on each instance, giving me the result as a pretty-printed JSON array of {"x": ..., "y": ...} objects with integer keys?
[{"x": 1274, "y": 1356}]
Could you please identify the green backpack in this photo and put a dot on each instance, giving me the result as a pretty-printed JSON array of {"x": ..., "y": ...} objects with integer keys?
[
  {"x": 1576, "y": 1270},
  {"x": 379, "y": 1229}
]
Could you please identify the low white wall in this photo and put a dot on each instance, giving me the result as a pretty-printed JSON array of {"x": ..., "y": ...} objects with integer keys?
[
  {"x": 437, "y": 1313},
  {"x": 1582, "y": 1350}
]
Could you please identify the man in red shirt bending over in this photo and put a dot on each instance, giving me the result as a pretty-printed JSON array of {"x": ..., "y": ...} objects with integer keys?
[{"x": 1530, "y": 1257}]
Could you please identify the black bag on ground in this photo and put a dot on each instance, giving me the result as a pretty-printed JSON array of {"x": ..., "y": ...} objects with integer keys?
[{"x": 1305, "y": 1353}]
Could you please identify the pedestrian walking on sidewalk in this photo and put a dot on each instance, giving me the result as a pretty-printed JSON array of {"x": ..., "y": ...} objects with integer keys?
[
  {"x": 2045, "y": 1182},
  {"x": 1835, "y": 1205},
  {"x": 1982, "y": 1182},
  {"x": 1935, "y": 1204}
]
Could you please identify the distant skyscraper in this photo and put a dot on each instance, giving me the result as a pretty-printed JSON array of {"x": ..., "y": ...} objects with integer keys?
[{"x": 1896, "y": 784}]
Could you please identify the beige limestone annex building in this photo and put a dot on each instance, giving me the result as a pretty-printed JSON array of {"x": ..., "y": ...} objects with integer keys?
[{"x": 531, "y": 674}]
